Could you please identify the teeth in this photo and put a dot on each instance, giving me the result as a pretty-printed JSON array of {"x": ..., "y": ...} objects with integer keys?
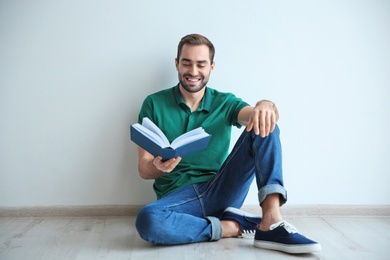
[{"x": 192, "y": 79}]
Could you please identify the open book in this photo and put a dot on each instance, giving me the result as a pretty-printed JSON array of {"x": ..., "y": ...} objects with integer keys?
[{"x": 152, "y": 139}]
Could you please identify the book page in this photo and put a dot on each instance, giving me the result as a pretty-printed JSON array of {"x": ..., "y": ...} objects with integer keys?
[
  {"x": 189, "y": 137},
  {"x": 146, "y": 122},
  {"x": 151, "y": 135}
]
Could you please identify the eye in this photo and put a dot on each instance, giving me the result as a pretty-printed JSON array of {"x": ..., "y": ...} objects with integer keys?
[{"x": 202, "y": 64}]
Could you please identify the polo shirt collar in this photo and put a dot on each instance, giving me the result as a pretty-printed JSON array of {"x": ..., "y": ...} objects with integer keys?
[{"x": 204, "y": 105}]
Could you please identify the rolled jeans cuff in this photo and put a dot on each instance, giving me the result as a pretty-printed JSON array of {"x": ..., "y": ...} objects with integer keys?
[
  {"x": 270, "y": 189},
  {"x": 216, "y": 228}
]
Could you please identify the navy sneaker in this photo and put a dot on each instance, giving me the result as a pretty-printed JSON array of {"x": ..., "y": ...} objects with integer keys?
[
  {"x": 248, "y": 222},
  {"x": 284, "y": 237}
]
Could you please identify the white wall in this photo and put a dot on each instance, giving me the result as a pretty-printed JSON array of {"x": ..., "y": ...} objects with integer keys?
[{"x": 73, "y": 75}]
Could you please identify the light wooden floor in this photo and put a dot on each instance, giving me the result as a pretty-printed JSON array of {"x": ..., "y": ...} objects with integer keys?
[{"x": 116, "y": 238}]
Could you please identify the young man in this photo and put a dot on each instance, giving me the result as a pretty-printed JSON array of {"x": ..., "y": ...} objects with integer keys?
[{"x": 199, "y": 196}]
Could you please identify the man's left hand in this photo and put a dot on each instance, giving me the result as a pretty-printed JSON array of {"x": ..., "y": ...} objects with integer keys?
[{"x": 263, "y": 118}]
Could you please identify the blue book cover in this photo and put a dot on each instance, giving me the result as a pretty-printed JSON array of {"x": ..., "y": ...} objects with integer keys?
[{"x": 150, "y": 137}]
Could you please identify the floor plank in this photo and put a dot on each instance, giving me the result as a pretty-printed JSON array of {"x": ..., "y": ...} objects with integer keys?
[{"x": 116, "y": 238}]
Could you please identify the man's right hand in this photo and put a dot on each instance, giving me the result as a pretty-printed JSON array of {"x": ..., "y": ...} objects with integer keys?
[
  {"x": 166, "y": 166},
  {"x": 150, "y": 167}
]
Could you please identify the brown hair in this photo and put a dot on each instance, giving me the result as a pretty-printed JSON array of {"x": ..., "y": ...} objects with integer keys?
[{"x": 196, "y": 39}]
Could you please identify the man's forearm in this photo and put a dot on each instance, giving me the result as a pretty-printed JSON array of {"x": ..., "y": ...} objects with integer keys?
[{"x": 147, "y": 170}]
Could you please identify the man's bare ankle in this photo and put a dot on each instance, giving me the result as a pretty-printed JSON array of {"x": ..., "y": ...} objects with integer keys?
[
  {"x": 270, "y": 219},
  {"x": 230, "y": 228}
]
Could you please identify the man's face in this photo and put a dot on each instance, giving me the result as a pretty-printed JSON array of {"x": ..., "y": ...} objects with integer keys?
[{"x": 194, "y": 67}]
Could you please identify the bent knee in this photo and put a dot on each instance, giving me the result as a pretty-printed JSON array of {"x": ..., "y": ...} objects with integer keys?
[{"x": 148, "y": 223}]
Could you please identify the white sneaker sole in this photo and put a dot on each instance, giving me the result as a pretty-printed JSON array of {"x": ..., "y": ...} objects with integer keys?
[
  {"x": 241, "y": 212},
  {"x": 291, "y": 249}
]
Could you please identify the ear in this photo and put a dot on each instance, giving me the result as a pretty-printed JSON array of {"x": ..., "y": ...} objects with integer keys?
[
  {"x": 177, "y": 64},
  {"x": 212, "y": 66}
]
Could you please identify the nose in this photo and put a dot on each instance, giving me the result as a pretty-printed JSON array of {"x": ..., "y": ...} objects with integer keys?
[{"x": 193, "y": 70}]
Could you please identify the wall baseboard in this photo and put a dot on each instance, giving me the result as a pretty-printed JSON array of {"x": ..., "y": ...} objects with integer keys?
[
  {"x": 70, "y": 211},
  {"x": 132, "y": 210}
]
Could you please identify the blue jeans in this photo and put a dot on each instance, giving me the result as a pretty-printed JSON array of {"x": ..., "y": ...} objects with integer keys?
[{"x": 191, "y": 214}]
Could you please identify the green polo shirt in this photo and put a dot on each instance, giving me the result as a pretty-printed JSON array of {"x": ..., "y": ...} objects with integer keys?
[{"x": 217, "y": 113}]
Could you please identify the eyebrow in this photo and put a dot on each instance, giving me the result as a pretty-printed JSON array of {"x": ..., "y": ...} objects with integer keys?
[{"x": 198, "y": 61}]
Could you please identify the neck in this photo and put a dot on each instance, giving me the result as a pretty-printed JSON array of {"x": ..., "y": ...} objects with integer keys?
[{"x": 192, "y": 100}]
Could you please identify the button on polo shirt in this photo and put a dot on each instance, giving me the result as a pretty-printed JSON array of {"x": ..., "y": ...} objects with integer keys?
[{"x": 217, "y": 113}]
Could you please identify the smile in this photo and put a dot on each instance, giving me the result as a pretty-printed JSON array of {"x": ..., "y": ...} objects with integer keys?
[{"x": 192, "y": 80}]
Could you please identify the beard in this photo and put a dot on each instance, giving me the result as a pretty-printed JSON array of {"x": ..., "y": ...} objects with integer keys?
[{"x": 191, "y": 87}]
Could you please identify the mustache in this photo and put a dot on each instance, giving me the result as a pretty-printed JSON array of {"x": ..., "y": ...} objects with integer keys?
[{"x": 193, "y": 76}]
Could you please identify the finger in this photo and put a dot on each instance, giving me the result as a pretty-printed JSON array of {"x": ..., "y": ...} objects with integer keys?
[
  {"x": 268, "y": 123},
  {"x": 252, "y": 121},
  {"x": 158, "y": 163},
  {"x": 273, "y": 122},
  {"x": 263, "y": 124},
  {"x": 249, "y": 126},
  {"x": 171, "y": 164},
  {"x": 178, "y": 159},
  {"x": 255, "y": 122},
  {"x": 157, "y": 160}
]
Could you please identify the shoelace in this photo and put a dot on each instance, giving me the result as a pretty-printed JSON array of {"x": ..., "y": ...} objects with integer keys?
[
  {"x": 287, "y": 226},
  {"x": 251, "y": 231}
]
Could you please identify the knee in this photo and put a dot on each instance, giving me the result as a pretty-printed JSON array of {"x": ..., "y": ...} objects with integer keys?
[{"x": 147, "y": 223}]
